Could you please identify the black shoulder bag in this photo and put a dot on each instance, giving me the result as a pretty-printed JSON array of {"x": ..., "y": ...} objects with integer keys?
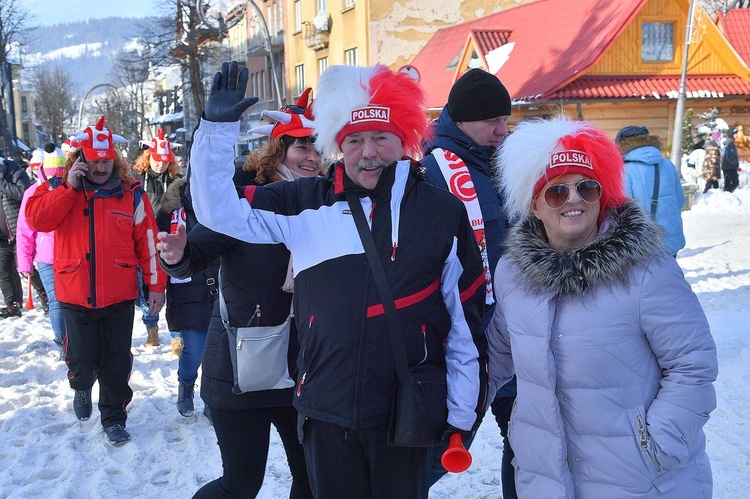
[{"x": 419, "y": 413}]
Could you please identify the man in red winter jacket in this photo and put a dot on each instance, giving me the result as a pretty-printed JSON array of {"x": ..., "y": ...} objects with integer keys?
[{"x": 104, "y": 230}]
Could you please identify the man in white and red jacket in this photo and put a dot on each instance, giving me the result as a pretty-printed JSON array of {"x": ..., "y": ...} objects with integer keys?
[
  {"x": 104, "y": 230},
  {"x": 373, "y": 117}
]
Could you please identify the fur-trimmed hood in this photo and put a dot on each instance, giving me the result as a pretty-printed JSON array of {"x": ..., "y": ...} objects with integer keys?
[
  {"x": 631, "y": 143},
  {"x": 629, "y": 237},
  {"x": 171, "y": 200}
]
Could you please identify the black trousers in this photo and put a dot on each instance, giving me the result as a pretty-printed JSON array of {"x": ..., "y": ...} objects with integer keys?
[
  {"x": 10, "y": 281},
  {"x": 345, "y": 463},
  {"x": 243, "y": 438},
  {"x": 98, "y": 348},
  {"x": 731, "y": 180}
]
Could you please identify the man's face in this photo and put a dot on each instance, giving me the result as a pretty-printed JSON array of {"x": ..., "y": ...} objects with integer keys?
[
  {"x": 367, "y": 153},
  {"x": 489, "y": 132},
  {"x": 99, "y": 170}
]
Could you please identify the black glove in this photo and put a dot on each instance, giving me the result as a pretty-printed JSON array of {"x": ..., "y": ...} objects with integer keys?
[
  {"x": 227, "y": 100},
  {"x": 450, "y": 430}
]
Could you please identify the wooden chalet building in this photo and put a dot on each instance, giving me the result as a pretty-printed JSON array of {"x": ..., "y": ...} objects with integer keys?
[{"x": 612, "y": 63}]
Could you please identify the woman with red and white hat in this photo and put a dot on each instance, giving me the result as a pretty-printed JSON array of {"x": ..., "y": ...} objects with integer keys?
[
  {"x": 157, "y": 169},
  {"x": 613, "y": 355},
  {"x": 257, "y": 285}
]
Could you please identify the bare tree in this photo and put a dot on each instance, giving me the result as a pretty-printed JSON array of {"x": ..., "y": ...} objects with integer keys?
[
  {"x": 131, "y": 72},
  {"x": 55, "y": 93},
  {"x": 14, "y": 20},
  {"x": 184, "y": 40}
]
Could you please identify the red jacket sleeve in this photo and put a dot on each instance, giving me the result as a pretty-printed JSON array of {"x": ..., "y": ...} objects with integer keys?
[{"x": 145, "y": 245}]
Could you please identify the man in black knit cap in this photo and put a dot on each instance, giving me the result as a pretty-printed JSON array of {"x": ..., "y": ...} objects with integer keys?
[{"x": 457, "y": 158}]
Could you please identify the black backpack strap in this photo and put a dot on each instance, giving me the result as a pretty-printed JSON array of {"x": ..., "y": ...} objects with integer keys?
[{"x": 655, "y": 196}]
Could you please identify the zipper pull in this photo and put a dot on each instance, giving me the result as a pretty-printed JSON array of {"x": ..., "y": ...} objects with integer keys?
[
  {"x": 301, "y": 382},
  {"x": 642, "y": 432},
  {"x": 393, "y": 252},
  {"x": 257, "y": 314}
]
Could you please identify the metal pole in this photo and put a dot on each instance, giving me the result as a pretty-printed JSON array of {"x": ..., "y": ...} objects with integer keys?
[
  {"x": 270, "y": 51},
  {"x": 83, "y": 99},
  {"x": 679, "y": 114}
]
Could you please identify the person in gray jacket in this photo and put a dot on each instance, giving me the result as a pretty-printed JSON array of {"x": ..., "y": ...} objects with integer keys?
[
  {"x": 13, "y": 182},
  {"x": 613, "y": 354}
]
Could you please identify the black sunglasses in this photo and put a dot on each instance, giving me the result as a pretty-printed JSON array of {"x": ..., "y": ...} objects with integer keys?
[{"x": 557, "y": 195}]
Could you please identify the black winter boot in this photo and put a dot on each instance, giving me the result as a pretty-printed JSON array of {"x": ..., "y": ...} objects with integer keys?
[
  {"x": 12, "y": 309},
  {"x": 185, "y": 394},
  {"x": 45, "y": 302},
  {"x": 82, "y": 404}
]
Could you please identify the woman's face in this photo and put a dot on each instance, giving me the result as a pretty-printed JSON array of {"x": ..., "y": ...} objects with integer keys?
[
  {"x": 158, "y": 166},
  {"x": 572, "y": 225},
  {"x": 303, "y": 158}
]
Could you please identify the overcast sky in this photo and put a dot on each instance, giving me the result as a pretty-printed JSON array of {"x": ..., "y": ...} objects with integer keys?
[{"x": 48, "y": 12}]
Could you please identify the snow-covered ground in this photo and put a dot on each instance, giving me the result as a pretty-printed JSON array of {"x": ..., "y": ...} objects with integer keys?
[{"x": 46, "y": 452}]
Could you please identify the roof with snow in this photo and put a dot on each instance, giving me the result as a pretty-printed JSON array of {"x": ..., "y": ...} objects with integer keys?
[{"x": 542, "y": 50}]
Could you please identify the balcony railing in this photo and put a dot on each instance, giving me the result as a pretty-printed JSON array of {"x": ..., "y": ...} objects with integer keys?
[{"x": 315, "y": 38}]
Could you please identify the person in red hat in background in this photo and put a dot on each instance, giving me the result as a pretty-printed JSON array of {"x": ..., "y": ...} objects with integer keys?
[
  {"x": 104, "y": 230},
  {"x": 368, "y": 119},
  {"x": 157, "y": 169},
  {"x": 257, "y": 285}
]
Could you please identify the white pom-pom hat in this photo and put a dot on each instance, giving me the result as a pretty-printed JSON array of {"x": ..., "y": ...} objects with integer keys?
[{"x": 537, "y": 151}]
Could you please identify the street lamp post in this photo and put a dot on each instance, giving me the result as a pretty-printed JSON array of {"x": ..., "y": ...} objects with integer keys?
[
  {"x": 266, "y": 37},
  {"x": 83, "y": 99},
  {"x": 679, "y": 114}
]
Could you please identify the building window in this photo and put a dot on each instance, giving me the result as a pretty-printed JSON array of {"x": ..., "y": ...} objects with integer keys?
[
  {"x": 26, "y": 134},
  {"x": 24, "y": 105},
  {"x": 299, "y": 72},
  {"x": 282, "y": 80},
  {"x": 297, "y": 16},
  {"x": 350, "y": 57},
  {"x": 322, "y": 6},
  {"x": 657, "y": 42},
  {"x": 348, "y": 3},
  {"x": 322, "y": 65}
]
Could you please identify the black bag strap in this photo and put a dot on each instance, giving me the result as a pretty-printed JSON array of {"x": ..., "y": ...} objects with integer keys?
[
  {"x": 655, "y": 196},
  {"x": 384, "y": 289}
]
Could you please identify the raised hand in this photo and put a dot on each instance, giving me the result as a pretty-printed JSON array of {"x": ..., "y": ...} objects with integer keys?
[
  {"x": 171, "y": 247},
  {"x": 227, "y": 100}
]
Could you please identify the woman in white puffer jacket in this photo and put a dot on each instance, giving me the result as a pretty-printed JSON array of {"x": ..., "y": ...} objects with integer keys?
[{"x": 612, "y": 351}]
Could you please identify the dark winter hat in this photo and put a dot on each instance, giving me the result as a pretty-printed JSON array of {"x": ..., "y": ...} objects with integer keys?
[
  {"x": 630, "y": 131},
  {"x": 478, "y": 95},
  {"x": 730, "y": 132}
]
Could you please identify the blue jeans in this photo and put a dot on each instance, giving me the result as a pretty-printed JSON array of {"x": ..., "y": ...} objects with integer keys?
[
  {"x": 148, "y": 319},
  {"x": 192, "y": 355},
  {"x": 56, "y": 318}
]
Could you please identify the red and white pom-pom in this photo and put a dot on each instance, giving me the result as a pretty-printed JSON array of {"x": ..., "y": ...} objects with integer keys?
[{"x": 351, "y": 99}]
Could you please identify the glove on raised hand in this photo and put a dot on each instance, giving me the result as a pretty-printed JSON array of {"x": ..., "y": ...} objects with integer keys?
[{"x": 227, "y": 100}]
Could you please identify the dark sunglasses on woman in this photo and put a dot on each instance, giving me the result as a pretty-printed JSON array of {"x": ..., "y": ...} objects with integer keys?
[{"x": 557, "y": 195}]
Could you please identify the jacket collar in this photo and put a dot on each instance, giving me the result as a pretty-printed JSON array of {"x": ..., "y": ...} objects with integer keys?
[{"x": 629, "y": 236}]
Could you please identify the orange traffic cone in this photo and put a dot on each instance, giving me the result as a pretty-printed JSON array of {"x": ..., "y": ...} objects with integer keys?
[{"x": 29, "y": 299}]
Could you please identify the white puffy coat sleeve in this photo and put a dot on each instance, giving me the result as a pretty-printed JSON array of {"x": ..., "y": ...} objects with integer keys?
[{"x": 215, "y": 199}]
